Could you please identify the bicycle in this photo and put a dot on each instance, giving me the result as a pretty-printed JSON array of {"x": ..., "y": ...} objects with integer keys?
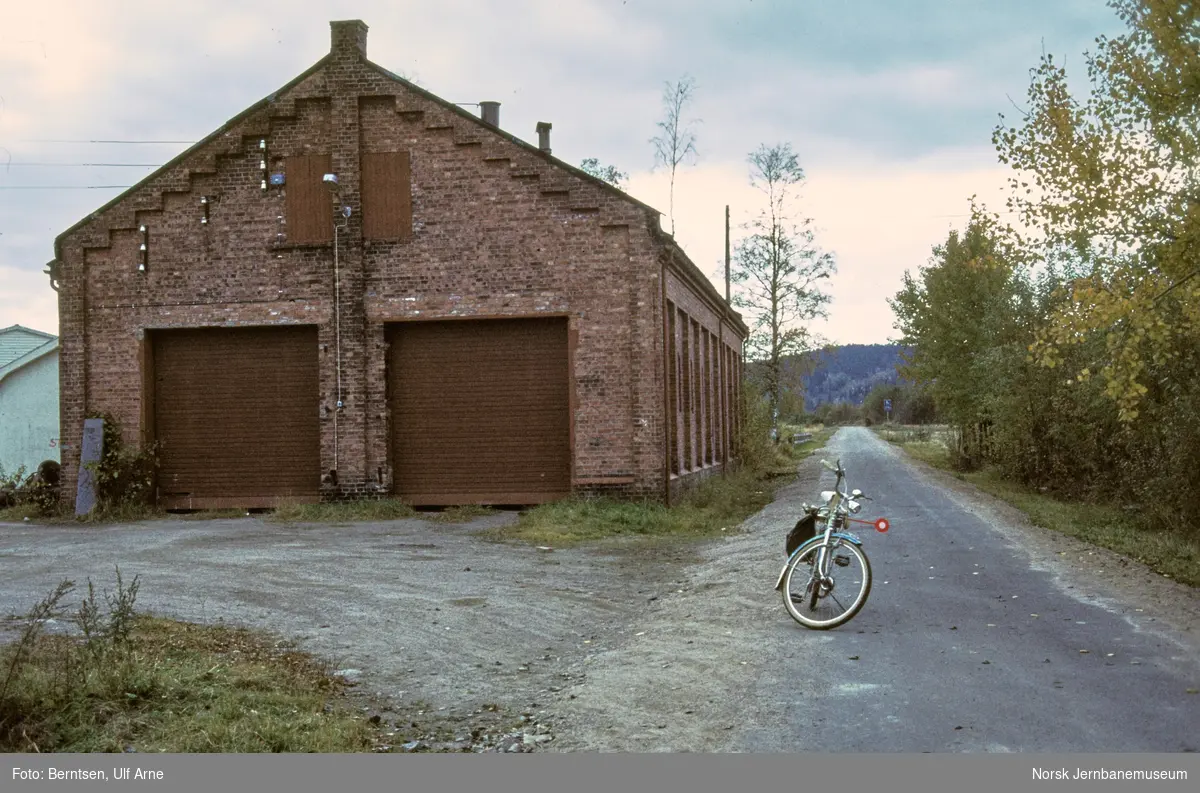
[{"x": 827, "y": 566}]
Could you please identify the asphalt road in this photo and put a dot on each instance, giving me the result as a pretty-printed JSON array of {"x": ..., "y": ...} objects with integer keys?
[{"x": 972, "y": 641}]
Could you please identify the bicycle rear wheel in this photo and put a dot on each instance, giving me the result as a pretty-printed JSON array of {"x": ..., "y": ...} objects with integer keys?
[{"x": 826, "y": 601}]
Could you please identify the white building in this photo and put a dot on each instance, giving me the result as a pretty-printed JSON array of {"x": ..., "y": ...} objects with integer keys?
[{"x": 28, "y": 399}]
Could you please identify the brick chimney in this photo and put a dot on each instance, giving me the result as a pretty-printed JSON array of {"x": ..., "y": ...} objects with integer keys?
[
  {"x": 348, "y": 37},
  {"x": 543, "y": 131}
]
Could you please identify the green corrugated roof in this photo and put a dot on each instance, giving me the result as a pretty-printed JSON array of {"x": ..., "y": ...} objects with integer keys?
[{"x": 16, "y": 341}]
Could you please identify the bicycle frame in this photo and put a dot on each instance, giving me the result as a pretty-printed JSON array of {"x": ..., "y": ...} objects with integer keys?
[
  {"x": 836, "y": 510},
  {"x": 808, "y": 578},
  {"x": 824, "y": 540}
]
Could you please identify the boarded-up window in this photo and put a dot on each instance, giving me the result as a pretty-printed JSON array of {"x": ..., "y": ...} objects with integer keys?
[
  {"x": 309, "y": 204},
  {"x": 688, "y": 405},
  {"x": 710, "y": 405},
  {"x": 386, "y": 196},
  {"x": 672, "y": 389},
  {"x": 732, "y": 387},
  {"x": 697, "y": 383}
]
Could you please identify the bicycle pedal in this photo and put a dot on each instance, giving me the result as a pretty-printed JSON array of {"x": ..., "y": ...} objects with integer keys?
[{"x": 841, "y": 561}]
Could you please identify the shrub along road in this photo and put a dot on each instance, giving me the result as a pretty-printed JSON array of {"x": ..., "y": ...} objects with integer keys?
[{"x": 685, "y": 646}]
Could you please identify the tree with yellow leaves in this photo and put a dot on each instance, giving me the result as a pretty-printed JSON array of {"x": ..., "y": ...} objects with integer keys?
[{"x": 1110, "y": 186}]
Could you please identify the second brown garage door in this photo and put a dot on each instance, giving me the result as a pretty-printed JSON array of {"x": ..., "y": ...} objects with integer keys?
[
  {"x": 236, "y": 414},
  {"x": 480, "y": 411}
]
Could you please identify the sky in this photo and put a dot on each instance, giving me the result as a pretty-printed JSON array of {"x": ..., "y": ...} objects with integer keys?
[{"x": 889, "y": 104}]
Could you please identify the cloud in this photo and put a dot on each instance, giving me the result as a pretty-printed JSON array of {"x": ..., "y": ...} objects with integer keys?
[
  {"x": 27, "y": 299},
  {"x": 879, "y": 220},
  {"x": 886, "y": 103}
]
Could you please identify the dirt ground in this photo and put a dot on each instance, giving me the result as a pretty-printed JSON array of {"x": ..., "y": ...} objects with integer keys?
[{"x": 461, "y": 644}]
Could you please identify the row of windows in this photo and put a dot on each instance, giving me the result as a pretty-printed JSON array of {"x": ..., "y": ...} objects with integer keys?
[
  {"x": 386, "y": 197},
  {"x": 703, "y": 398}
]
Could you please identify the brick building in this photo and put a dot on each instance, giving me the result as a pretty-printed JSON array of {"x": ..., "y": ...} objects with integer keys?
[{"x": 356, "y": 287}]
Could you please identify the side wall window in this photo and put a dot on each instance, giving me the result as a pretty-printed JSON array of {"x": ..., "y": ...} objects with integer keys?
[{"x": 387, "y": 196}]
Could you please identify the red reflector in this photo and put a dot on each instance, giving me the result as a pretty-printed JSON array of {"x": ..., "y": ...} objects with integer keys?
[{"x": 882, "y": 525}]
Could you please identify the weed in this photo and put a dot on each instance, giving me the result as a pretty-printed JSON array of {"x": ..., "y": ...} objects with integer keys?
[
  {"x": 341, "y": 511},
  {"x": 460, "y": 514},
  {"x": 714, "y": 507},
  {"x": 161, "y": 685},
  {"x": 124, "y": 475}
]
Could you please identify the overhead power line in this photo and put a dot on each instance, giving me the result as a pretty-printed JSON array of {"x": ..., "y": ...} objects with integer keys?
[
  {"x": 65, "y": 187},
  {"x": 151, "y": 142},
  {"x": 82, "y": 165}
]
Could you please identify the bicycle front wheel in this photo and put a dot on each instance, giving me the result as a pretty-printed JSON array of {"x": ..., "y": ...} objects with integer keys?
[{"x": 825, "y": 599}]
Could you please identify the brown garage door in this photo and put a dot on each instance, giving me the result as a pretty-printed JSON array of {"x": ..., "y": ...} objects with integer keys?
[
  {"x": 480, "y": 411},
  {"x": 235, "y": 412}
]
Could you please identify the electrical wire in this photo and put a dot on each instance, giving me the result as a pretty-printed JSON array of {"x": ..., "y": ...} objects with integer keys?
[
  {"x": 139, "y": 142},
  {"x": 83, "y": 165},
  {"x": 66, "y": 187}
]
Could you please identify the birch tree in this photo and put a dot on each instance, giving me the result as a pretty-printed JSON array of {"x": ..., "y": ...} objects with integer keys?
[
  {"x": 779, "y": 270},
  {"x": 676, "y": 142}
]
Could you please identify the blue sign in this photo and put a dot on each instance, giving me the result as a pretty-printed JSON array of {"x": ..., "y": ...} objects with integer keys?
[{"x": 887, "y": 404}]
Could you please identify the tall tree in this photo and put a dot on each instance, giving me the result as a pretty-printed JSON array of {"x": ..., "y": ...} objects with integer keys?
[
  {"x": 952, "y": 314},
  {"x": 965, "y": 317},
  {"x": 1112, "y": 185},
  {"x": 676, "y": 142},
  {"x": 779, "y": 269},
  {"x": 609, "y": 173}
]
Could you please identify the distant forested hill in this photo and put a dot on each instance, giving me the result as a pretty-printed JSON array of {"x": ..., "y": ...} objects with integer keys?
[{"x": 848, "y": 373}]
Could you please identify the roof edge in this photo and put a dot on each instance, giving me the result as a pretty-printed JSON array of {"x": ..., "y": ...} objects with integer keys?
[
  {"x": 29, "y": 357},
  {"x": 28, "y": 330},
  {"x": 510, "y": 137},
  {"x": 265, "y": 101},
  {"x": 695, "y": 274}
]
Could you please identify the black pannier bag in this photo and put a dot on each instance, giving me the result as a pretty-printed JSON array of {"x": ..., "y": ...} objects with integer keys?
[{"x": 805, "y": 529}]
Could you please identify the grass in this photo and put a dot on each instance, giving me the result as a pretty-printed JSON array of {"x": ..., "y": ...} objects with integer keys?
[
  {"x": 181, "y": 688},
  {"x": 720, "y": 503},
  {"x": 343, "y": 511},
  {"x": 1166, "y": 552},
  {"x": 121, "y": 513},
  {"x": 376, "y": 509},
  {"x": 462, "y": 514},
  {"x": 20, "y": 513},
  {"x": 820, "y": 437},
  {"x": 716, "y": 506},
  {"x": 124, "y": 513},
  {"x": 164, "y": 686},
  {"x": 327, "y": 512},
  {"x": 209, "y": 514}
]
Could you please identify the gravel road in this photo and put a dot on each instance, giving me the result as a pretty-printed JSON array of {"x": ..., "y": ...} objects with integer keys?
[{"x": 686, "y": 647}]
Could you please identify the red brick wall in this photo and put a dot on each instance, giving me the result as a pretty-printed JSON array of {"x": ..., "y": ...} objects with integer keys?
[
  {"x": 497, "y": 231},
  {"x": 702, "y": 400}
]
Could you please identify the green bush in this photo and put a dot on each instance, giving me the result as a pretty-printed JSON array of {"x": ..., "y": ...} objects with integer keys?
[
  {"x": 124, "y": 475},
  {"x": 35, "y": 494},
  {"x": 754, "y": 447}
]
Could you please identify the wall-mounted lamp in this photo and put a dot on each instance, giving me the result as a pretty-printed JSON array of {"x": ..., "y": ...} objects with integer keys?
[
  {"x": 143, "y": 248},
  {"x": 330, "y": 180},
  {"x": 262, "y": 163}
]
